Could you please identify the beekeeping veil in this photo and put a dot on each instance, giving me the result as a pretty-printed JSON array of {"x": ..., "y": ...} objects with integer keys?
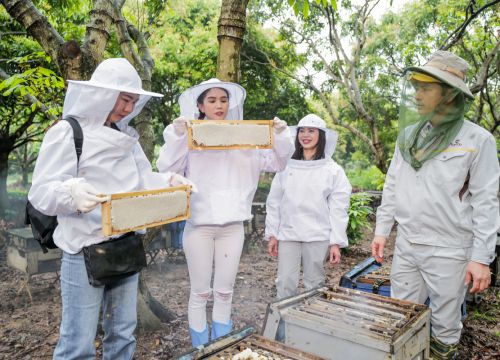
[
  {"x": 237, "y": 95},
  {"x": 423, "y": 133},
  {"x": 314, "y": 121},
  {"x": 91, "y": 101}
]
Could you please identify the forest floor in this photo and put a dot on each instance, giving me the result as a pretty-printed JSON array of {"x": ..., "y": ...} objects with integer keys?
[{"x": 29, "y": 329}]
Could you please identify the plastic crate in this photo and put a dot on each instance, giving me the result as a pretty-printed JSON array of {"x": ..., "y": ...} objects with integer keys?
[{"x": 359, "y": 278}]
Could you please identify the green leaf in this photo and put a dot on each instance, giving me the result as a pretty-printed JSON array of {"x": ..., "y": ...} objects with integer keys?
[{"x": 305, "y": 9}]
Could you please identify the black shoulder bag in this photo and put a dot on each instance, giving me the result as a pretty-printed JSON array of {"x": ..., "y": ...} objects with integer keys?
[{"x": 43, "y": 226}]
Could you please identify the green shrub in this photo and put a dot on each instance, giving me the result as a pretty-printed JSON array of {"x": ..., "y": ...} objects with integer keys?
[
  {"x": 366, "y": 178},
  {"x": 359, "y": 209}
]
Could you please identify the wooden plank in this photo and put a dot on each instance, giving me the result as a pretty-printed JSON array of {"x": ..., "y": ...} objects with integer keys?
[
  {"x": 192, "y": 145},
  {"x": 107, "y": 206}
]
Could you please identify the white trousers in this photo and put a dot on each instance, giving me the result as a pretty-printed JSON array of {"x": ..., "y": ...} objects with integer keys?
[
  {"x": 291, "y": 254},
  {"x": 438, "y": 273},
  {"x": 207, "y": 247}
]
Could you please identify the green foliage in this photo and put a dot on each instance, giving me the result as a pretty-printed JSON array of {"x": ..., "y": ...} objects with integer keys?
[
  {"x": 37, "y": 81},
  {"x": 184, "y": 44},
  {"x": 370, "y": 178},
  {"x": 359, "y": 210},
  {"x": 303, "y": 6},
  {"x": 270, "y": 93}
]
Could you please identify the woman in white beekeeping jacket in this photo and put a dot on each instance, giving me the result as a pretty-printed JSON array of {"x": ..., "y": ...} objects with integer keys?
[
  {"x": 112, "y": 161},
  {"x": 307, "y": 209},
  {"x": 227, "y": 181}
]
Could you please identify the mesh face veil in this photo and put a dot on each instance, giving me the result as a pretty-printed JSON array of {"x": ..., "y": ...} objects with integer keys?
[{"x": 430, "y": 116}]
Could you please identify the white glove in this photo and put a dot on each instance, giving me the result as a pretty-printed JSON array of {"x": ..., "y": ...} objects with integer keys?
[
  {"x": 85, "y": 196},
  {"x": 177, "y": 180},
  {"x": 180, "y": 125},
  {"x": 279, "y": 125}
]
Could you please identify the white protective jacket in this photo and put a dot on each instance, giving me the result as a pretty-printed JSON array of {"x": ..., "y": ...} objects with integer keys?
[
  {"x": 434, "y": 206},
  {"x": 112, "y": 161},
  {"x": 309, "y": 201},
  {"x": 226, "y": 179}
]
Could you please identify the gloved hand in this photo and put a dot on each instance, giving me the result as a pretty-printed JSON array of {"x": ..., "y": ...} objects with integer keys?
[
  {"x": 180, "y": 125},
  {"x": 177, "y": 180},
  {"x": 279, "y": 125},
  {"x": 85, "y": 196}
]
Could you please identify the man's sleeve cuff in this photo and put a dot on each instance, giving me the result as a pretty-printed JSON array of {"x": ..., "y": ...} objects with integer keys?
[
  {"x": 383, "y": 229},
  {"x": 483, "y": 257}
]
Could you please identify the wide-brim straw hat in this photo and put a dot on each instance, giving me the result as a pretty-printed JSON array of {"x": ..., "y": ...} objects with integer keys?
[
  {"x": 116, "y": 74},
  {"x": 447, "y": 68}
]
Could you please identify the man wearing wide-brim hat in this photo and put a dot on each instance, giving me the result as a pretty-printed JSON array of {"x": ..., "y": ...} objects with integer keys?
[{"x": 441, "y": 188}]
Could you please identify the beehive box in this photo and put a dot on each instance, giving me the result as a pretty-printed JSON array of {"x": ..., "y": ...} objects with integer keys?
[
  {"x": 340, "y": 323},
  {"x": 230, "y": 134},
  {"x": 25, "y": 254},
  {"x": 245, "y": 344}
]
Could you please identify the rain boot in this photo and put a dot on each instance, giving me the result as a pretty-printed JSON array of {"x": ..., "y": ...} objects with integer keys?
[
  {"x": 199, "y": 338},
  {"x": 219, "y": 329},
  {"x": 442, "y": 351}
]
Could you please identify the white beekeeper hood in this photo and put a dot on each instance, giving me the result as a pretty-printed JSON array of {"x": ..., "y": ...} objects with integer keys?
[
  {"x": 93, "y": 100},
  {"x": 314, "y": 121},
  {"x": 237, "y": 95}
]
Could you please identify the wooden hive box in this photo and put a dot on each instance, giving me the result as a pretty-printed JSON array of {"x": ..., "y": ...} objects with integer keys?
[
  {"x": 25, "y": 254},
  {"x": 340, "y": 323},
  {"x": 230, "y": 134},
  {"x": 137, "y": 210}
]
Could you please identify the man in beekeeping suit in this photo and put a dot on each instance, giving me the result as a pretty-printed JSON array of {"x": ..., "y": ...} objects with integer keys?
[
  {"x": 441, "y": 188},
  {"x": 112, "y": 161}
]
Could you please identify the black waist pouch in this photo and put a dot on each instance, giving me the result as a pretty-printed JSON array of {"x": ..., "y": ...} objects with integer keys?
[{"x": 115, "y": 259}]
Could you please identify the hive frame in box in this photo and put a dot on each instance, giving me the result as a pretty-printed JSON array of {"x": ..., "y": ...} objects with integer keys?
[
  {"x": 107, "y": 226},
  {"x": 193, "y": 146}
]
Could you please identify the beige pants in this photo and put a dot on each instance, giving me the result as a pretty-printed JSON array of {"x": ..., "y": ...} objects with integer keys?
[
  {"x": 291, "y": 254},
  {"x": 438, "y": 273}
]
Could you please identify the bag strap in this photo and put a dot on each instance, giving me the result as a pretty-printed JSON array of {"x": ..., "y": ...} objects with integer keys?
[{"x": 77, "y": 136}]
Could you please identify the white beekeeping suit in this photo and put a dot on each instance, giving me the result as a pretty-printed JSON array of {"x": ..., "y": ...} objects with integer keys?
[
  {"x": 306, "y": 210},
  {"x": 112, "y": 161},
  {"x": 227, "y": 181}
]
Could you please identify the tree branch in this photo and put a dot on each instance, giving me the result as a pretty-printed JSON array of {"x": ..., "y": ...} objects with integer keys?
[
  {"x": 470, "y": 15},
  {"x": 318, "y": 92},
  {"x": 482, "y": 76}
]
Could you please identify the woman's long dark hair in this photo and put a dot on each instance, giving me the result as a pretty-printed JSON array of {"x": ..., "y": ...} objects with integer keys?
[
  {"x": 320, "y": 147},
  {"x": 202, "y": 97}
]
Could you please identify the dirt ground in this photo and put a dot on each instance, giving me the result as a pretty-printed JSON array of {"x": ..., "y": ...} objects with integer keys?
[{"x": 29, "y": 329}]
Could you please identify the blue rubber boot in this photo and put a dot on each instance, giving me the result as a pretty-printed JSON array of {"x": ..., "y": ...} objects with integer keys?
[
  {"x": 198, "y": 338},
  {"x": 219, "y": 329}
]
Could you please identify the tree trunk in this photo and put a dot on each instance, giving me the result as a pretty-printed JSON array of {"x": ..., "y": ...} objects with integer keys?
[
  {"x": 4, "y": 198},
  {"x": 232, "y": 24}
]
